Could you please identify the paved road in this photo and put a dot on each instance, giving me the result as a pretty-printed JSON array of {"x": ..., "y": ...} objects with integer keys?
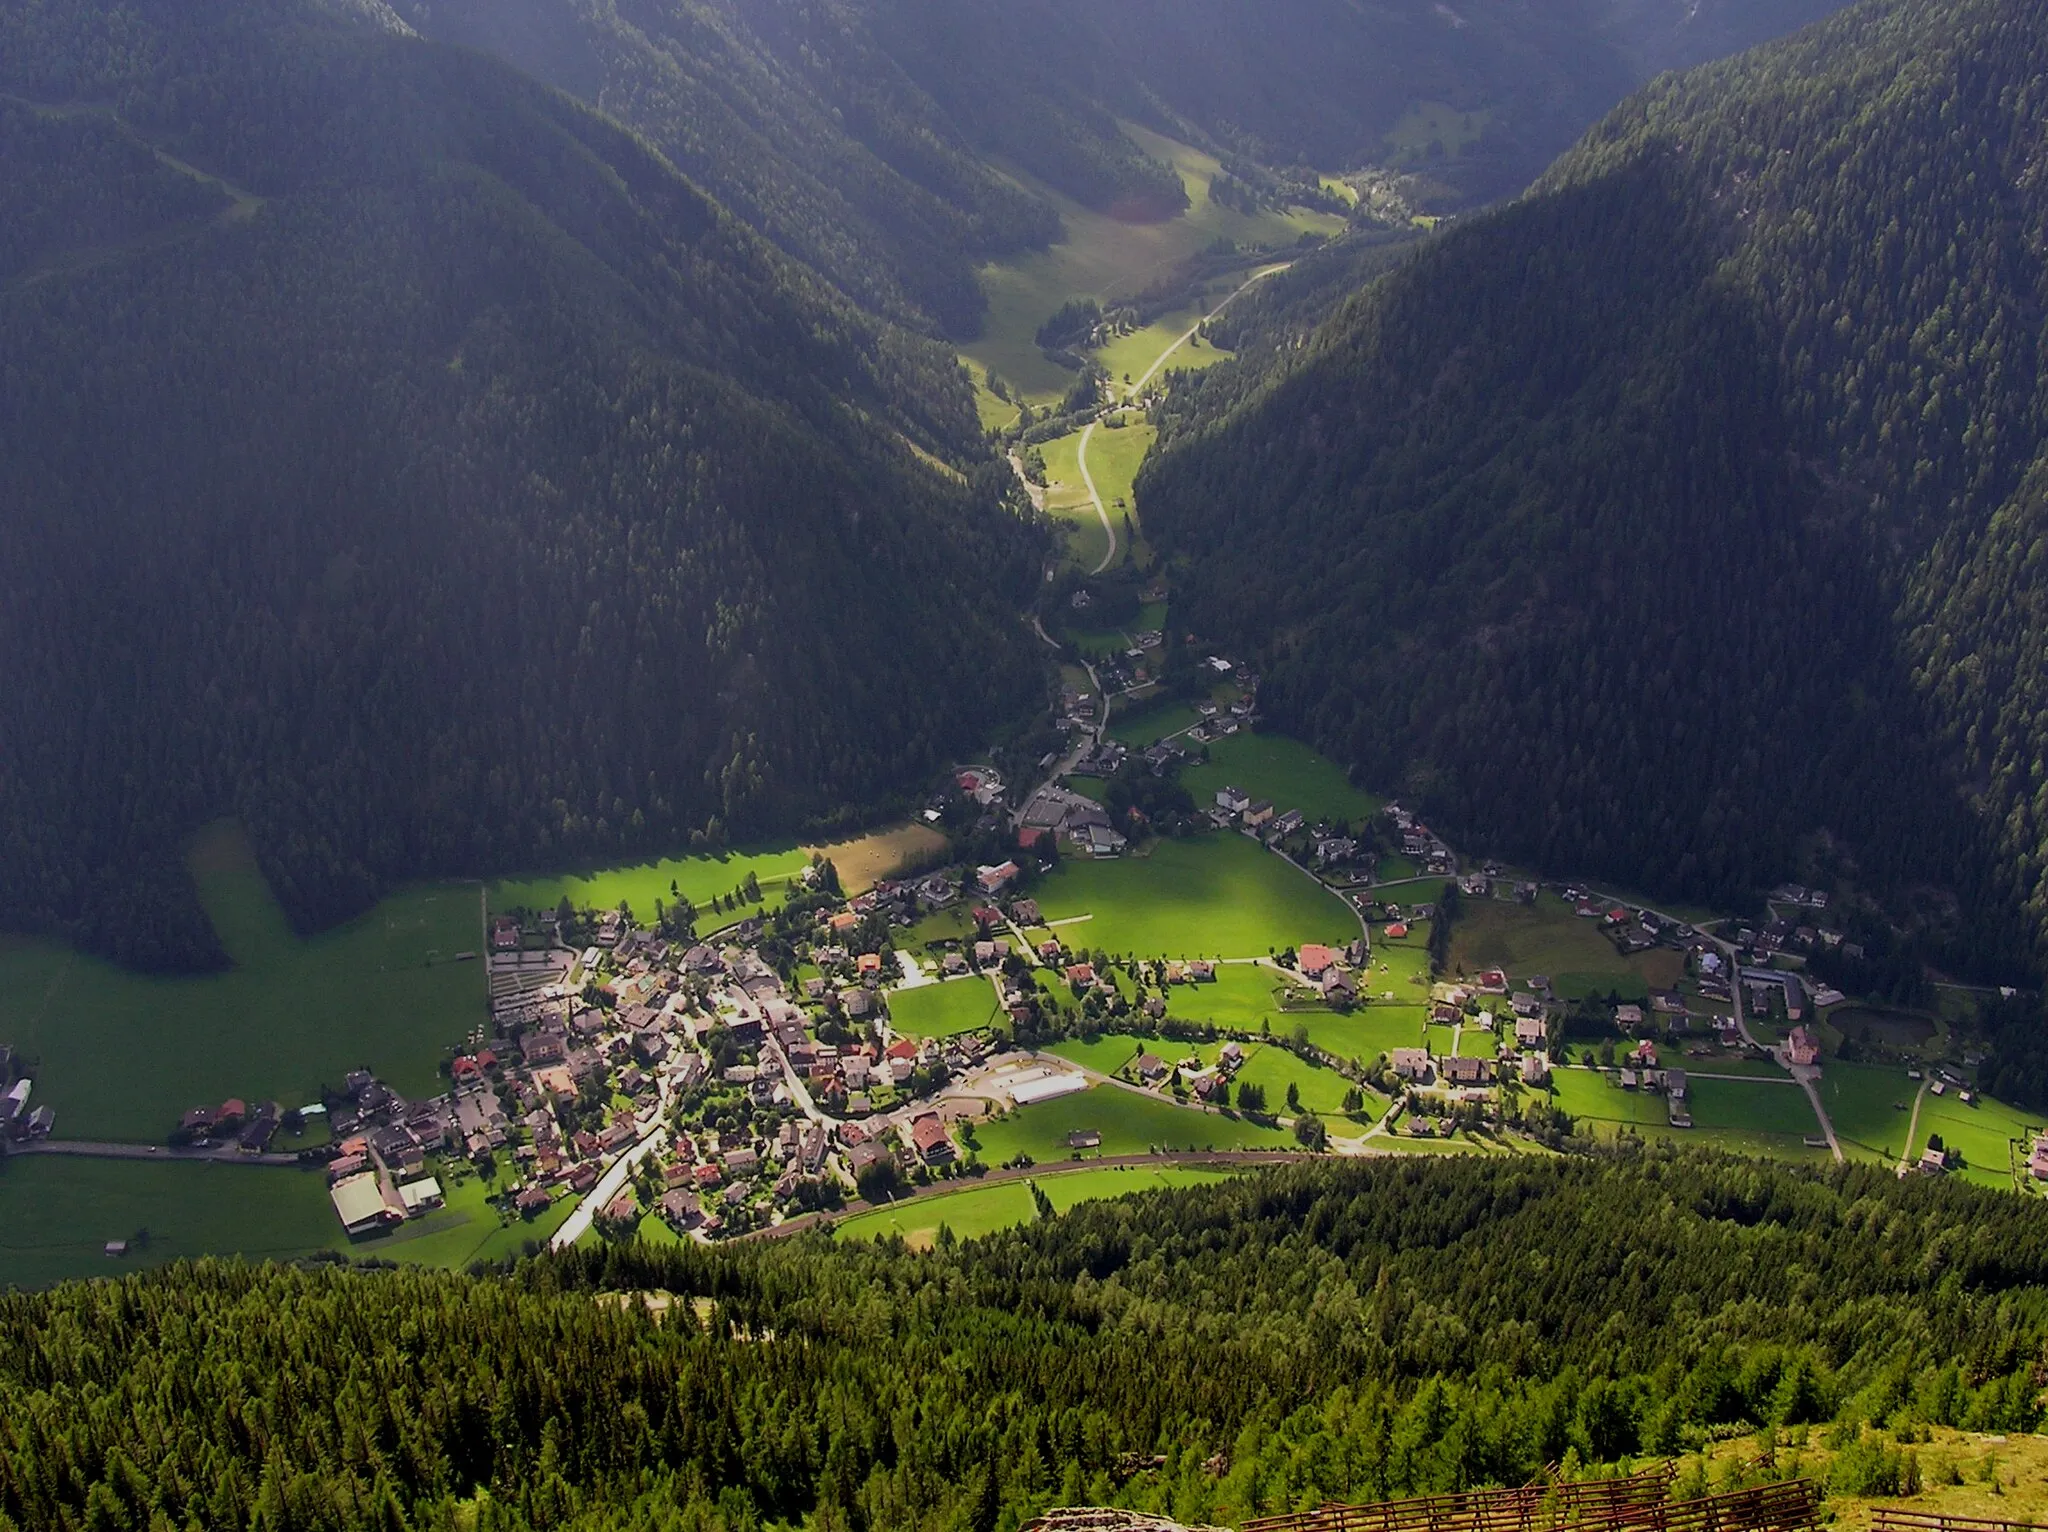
[
  {"x": 1095, "y": 496},
  {"x": 1807, "y": 1078},
  {"x": 578, "y": 1223},
  {"x": 87, "y": 1149},
  {"x": 1912, "y": 1131},
  {"x": 1153, "y": 371}
]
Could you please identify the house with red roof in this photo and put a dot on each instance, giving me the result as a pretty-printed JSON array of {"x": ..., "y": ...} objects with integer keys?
[{"x": 929, "y": 1137}]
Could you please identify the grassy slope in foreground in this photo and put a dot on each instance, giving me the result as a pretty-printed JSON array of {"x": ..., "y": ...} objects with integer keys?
[
  {"x": 1005, "y": 1204},
  {"x": 1128, "y": 1122},
  {"x": 121, "y": 1055},
  {"x": 1217, "y": 895},
  {"x": 861, "y": 863},
  {"x": 58, "y": 1213}
]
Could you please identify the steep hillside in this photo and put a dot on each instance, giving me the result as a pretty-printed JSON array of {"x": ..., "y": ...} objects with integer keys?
[
  {"x": 872, "y": 138},
  {"x": 404, "y": 459},
  {"x": 1323, "y": 1332},
  {"x": 1669, "y": 523}
]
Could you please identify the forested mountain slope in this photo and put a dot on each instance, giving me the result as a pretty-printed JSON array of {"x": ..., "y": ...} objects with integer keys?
[
  {"x": 1329, "y": 1331},
  {"x": 1677, "y": 522},
  {"x": 870, "y": 138},
  {"x": 399, "y": 456}
]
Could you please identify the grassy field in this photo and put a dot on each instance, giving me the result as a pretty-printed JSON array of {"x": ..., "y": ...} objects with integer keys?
[
  {"x": 1141, "y": 729},
  {"x": 1113, "y": 458},
  {"x": 1244, "y": 998},
  {"x": 941, "y": 1010},
  {"x": 1285, "y": 770},
  {"x": 1128, "y": 1122},
  {"x": 1217, "y": 895},
  {"x": 1754, "y": 1118},
  {"x": 1547, "y": 938},
  {"x": 1368, "y": 1032},
  {"x": 1106, "y": 258},
  {"x": 1434, "y": 122},
  {"x": 1981, "y": 1133},
  {"x": 1871, "y": 1106},
  {"x": 57, "y": 1214},
  {"x": 1129, "y": 357},
  {"x": 1105, "y": 1054},
  {"x": 1477, "y": 1043},
  {"x": 1320, "y": 1090},
  {"x": 1006, "y": 1204},
  {"x": 1066, "y": 500},
  {"x": 121, "y": 1055},
  {"x": 861, "y": 862}
]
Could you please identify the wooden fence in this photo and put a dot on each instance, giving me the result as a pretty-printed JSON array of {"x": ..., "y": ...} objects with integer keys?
[
  {"x": 1888, "y": 1520},
  {"x": 1636, "y": 1504},
  {"x": 1548, "y": 1503}
]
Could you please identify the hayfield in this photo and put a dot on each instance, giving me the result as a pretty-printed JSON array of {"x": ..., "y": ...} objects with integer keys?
[
  {"x": 121, "y": 1055},
  {"x": 1216, "y": 895}
]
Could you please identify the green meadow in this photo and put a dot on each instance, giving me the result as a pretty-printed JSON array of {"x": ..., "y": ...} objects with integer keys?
[
  {"x": 1245, "y": 997},
  {"x": 1752, "y": 1117},
  {"x": 1105, "y": 1054},
  {"x": 1007, "y": 1204},
  {"x": 1129, "y": 357},
  {"x": 1366, "y": 1033},
  {"x": 1129, "y": 1123},
  {"x": 1108, "y": 258},
  {"x": 1218, "y": 895},
  {"x": 121, "y": 1055},
  {"x": 1548, "y": 938},
  {"x": 57, "y": 1214},
  {"x": 1871, "y": 1106},
  {"x": 1284, "y": 770},
  {"x": 944, "y": 1009},
  {"x": 702, "y": 878},
  {"x": 1983, "y": 1132},
  {"x": 1428, "y": 123},
  {"x": 1067, "y": 501}
]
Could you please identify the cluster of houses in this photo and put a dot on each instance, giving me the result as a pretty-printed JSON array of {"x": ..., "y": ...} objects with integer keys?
[
  {"x": 1080, "y": 823},
  {"x": 737, "y": 1087},
  {"x": 231, "y": 1124},
  {"x": 19, "y": 1120}
]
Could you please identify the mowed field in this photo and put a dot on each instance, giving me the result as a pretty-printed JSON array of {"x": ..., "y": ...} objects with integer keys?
[
  {"x": 1129, "y": 1123},
  {"x": 944, "y": 1009},
  {"x": 1007, "y": 1204},
  {"x": 57, "y": 1214},
  {"x": 122, "y": 1055},
  {"x": 1760, "y": 1117},
  {"x": 1067, "y": 501},
  {"x": 1984, "y": 1133},
  {"x": 1284, "y": 770},
  {"x": 861, "y": 863},
  {"x": 1217, "y": 895},
  {"x": 1871, "y": 1106},
  {"x": 1107, "y": 258},
  {"x": 1548, "y": 938}
]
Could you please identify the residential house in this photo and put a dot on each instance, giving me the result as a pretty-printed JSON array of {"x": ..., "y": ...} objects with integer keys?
[
  {"x": 1467, "y": 1071},
  {"x": 1314, "y": 960},
  {"x": 1412, "y": 1064},
  {"x": 929, "y": 1138},
  {"x": 994, "y": 880},
  {"x": 1258, "y": 814}
]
